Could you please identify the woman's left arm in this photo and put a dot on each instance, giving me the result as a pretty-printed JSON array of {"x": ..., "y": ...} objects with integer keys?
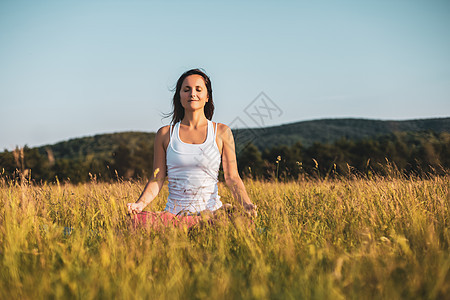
[{"x": 231, "y": 174}]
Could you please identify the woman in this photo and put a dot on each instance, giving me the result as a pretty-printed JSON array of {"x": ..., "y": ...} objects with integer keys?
[{"x": 190, "y": 150}]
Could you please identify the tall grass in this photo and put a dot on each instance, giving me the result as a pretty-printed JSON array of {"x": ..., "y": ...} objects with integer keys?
[{"x": 312, "y": 239}]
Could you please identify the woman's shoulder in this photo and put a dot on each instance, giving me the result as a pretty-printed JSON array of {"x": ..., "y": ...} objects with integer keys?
[
  {"x": 163, "y": 136},
  {"x": 221, "y": 128},
  {"x": 163, "y": 133},
  {"x": 164, "y": 130},
  {"x": 223, "y": 131}
]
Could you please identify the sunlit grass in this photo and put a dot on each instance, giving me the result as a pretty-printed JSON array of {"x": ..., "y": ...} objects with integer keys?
[{"x": 333, "y": 239}]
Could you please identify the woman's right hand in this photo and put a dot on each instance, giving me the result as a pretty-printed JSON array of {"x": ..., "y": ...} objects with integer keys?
[{"x": 135, "y": 208}]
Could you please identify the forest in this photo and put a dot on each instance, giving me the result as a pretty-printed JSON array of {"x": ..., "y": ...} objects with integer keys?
[{"x": 410, "y": 153}]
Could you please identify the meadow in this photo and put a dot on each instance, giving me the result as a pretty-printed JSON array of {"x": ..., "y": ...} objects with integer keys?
[{"x": 353, "y": 238}]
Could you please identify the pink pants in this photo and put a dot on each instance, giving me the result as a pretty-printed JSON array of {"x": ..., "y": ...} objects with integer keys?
[{"x": 163, "y": 219}]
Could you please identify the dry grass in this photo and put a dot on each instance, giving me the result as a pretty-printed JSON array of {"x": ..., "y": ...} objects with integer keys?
[{"x": 355, "y": 239}]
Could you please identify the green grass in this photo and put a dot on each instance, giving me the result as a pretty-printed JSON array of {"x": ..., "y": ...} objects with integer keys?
[{"x": 341, "y": 239}]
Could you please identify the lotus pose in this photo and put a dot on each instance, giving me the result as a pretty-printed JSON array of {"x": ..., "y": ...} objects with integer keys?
[{"x": 190, "y": 151}]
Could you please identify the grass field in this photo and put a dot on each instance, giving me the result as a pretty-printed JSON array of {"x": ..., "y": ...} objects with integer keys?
[{"x": 333, "y": 239}]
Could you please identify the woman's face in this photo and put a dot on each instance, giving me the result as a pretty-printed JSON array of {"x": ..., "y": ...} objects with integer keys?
[{"x": 193, "y": 93}]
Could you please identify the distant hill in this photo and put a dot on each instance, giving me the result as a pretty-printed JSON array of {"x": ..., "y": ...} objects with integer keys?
[
  {"x": 414, "y": 146},
  {"x": 330, "y": 130},
  {"x": 307, "y": 132},
  {"x": 101, "y": 145}
]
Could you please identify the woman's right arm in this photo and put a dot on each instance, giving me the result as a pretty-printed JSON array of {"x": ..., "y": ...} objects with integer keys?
[{"x": 156, "y": 181}]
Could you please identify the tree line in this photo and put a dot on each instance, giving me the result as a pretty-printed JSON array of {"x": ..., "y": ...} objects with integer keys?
[
  {"x": 406, "y": 153},
  {"x": 418, "y": 153}
]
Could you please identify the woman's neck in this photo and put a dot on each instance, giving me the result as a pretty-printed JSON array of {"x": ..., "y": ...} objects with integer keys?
[{"x": 194, "y": 119}]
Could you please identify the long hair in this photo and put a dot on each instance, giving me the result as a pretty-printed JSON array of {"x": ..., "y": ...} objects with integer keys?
[{"x": 178, "y": 110}]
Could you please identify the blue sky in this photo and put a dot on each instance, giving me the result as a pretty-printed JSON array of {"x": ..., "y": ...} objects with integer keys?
[{"x": 78, "y": 68}]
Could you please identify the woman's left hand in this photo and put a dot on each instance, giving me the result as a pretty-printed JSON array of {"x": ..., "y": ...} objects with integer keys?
[{"x": 251, "y": 209}]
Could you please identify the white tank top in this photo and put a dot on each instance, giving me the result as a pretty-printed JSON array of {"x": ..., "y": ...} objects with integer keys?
[{"x": 193, "y": 171}]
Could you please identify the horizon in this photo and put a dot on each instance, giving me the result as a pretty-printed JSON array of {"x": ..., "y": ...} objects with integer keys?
[
  {"x": 271, "y": 126},
  {"x": 77, "y": 69}
]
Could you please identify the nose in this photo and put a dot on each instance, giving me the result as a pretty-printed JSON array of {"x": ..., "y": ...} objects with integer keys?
[{"x": 193, "y": 94}]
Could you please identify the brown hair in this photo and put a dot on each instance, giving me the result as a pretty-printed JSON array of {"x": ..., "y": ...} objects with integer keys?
[{"x": 178, "y": 110}]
